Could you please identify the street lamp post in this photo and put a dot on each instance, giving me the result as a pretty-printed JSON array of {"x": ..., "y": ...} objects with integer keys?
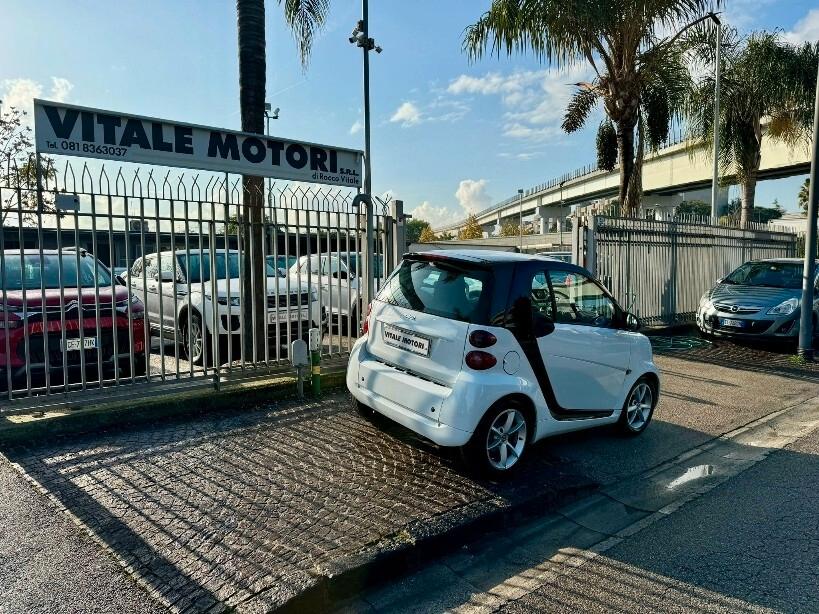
[
  {"x": 717, "y": 73},
  {"x": 361, "y": 38},
  {"x": 520, "y": 219},
  {"x": 809, "y": 272}
]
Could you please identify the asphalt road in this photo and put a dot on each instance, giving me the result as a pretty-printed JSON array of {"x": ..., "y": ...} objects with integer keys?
[
  {"x": 47, "y": 564},
  {"x": 751, "y": 544}
]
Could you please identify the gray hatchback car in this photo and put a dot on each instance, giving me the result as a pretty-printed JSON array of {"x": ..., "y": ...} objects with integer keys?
[{"x": 759, "y": 299}]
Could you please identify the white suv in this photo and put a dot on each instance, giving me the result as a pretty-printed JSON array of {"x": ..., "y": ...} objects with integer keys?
[
  {"x": 177, "y": 290},
  {"x": 491, "y": 351}
]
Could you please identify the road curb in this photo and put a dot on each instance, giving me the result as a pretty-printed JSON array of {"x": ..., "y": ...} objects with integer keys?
[
  {"x": 411, "y": 549},
  {"x": 37, "y": 426}
]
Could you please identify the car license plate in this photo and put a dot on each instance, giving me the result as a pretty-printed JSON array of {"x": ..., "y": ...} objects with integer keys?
[
  {"x": 70, "y": 345},
  {"x": 405, "y": 340},
  {"x": 283, "y": 316},
  {"x": 732, "y": 323}
]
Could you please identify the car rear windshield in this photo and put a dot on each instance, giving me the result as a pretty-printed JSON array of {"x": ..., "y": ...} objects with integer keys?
[
  {"x": 30, "y": 275},
  {"x": 768, "y": 274},
  {"x": 447, "y": 289}
]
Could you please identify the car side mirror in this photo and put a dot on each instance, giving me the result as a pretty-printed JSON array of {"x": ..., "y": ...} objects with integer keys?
[
  {"x": 632, "y": 322},
  {"x": 120, "y": 281},
  {"x": 164, "y": 276},
  {"x": 340, "y": 274}
]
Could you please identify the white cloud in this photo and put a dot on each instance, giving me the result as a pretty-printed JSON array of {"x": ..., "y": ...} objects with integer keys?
[
  {"x": 356, "y": 127},
  {"x": 20, "y": 93},
  {"x": 436, "y": 216},
  {"x": 472, "y": 196},
  {"x": 60, "y": 89},
  {"x": 806, "y": 29},
  {"x": 523, "y": 155},
  {"x": 535, "y": 100},
  {"x": 408, "y": 114}
]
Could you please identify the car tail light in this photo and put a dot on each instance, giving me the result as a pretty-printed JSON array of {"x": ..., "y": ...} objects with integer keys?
[
  {"x": 365, "y": 325},
  {"x": 482, "y": 339},
  {"x": 480, "y": 361}
]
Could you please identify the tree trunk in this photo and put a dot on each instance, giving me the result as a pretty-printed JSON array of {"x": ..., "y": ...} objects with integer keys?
[
  {"x": 252, "y": 66},
  {"x": 625, "y": 150},
  {"x": 748, "y": 194}
]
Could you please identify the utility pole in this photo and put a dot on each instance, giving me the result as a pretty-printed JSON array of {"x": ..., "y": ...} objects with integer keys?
[
  {"x": 560, "y": 221},
  {"x": 361, "y": 38},
  {"x": 717, "y": 73},
  {"x": 809, "y": 272}
]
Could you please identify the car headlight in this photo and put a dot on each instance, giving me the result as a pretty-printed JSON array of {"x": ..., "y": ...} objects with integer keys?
[
  {"x": 704, "y": 300},
  {"x": 223, "y": 300},
  {"x": 785, "y": 307}
]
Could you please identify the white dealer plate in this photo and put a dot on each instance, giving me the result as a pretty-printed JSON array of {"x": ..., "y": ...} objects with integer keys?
[
  {"x": 405, "y": 340},
  {"x": 75, "y": 344},
  {"x": 282, "y": 316}
]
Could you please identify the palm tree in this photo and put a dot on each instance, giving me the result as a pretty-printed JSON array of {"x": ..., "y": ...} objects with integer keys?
[
  {"x": 638, "y": 72},
  {"x": 767, "y": 91},
  {"x": 305, "y": 18},
  {"x": 804, "y": 195}
]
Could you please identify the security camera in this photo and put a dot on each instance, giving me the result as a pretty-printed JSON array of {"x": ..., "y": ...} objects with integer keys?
[
  {"x": 378, "y": 49},
  {"x": 352, "y": 39}
]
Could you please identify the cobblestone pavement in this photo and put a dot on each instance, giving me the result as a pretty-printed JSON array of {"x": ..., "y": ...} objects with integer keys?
[{"x": 249, "y": 509}]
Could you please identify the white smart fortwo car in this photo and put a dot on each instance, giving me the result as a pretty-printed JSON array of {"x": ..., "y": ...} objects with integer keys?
[{"x": 491, "y": 351}]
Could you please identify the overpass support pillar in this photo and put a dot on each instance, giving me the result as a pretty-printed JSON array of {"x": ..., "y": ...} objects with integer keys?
[{"x": 545, "y": 222}]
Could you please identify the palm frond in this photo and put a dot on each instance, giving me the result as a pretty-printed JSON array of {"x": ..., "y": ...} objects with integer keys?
[
  {"x": 579, "y": 108},
  {"x": 305, "y": 18}
]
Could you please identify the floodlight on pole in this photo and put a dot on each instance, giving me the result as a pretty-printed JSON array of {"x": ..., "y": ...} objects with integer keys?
[
  {"x": 360, "y": 38},
  {"x": 717, "y": 76}
]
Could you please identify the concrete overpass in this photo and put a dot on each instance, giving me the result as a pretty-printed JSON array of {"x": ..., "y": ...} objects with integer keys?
[{"x": 666, "y": 174}]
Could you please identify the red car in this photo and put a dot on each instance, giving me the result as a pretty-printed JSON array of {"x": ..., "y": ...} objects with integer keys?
[{"x": 33, "y": 285}]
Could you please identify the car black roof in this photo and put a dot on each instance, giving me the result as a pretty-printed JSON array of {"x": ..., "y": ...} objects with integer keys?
[{"x": 490, "y": 259}]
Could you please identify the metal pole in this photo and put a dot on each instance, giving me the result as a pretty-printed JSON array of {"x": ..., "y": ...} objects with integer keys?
[
  {"x": 809, "y": 272},
  {"x": 560, "y": 221},
  {"x": 367, "y": 255},
  {"x": 717, "y": 73},
  {"x": 520, "y": 220}
]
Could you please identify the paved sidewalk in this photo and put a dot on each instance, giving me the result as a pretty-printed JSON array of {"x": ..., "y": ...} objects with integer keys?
[{"x": 252, "y": 509}]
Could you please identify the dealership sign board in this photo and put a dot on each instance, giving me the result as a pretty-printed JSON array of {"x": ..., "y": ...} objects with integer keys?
[{"x": 92, "y": 133}]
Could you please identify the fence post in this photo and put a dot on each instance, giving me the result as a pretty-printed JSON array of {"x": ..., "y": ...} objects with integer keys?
[
  {"x": 591, "y": 251},
  {"x": 399, "y": 235},
  {"x": 577, "y": 241}
]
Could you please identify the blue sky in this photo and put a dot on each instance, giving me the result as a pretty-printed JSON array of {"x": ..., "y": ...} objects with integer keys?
[{"x": 447, "y": 135}]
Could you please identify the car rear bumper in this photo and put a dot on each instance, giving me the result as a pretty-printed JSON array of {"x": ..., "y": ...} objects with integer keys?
[{"x": 408, "y": 400}]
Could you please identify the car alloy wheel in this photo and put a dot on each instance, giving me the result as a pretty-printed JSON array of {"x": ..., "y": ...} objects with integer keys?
[
  {"x": 506, "y": 439},
  {"x": 639, "y": 405}
]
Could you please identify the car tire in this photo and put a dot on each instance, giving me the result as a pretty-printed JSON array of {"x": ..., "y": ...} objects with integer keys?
[
  {"x": 638, "y": 408},
  {"x": 500, "y": 441},
  {"x": 194, "y": 347},
  {"x": 349, "y": 323}
]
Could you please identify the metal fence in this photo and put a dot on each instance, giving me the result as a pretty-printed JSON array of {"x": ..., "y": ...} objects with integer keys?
[
  {"x": 112, "y": 277},
  {"x": 660, "y": 269}
]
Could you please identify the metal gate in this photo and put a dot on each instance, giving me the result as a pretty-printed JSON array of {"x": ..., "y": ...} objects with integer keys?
[
  {"x": 119, "y": 275},
  {"x": 660, "y": 269}
]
